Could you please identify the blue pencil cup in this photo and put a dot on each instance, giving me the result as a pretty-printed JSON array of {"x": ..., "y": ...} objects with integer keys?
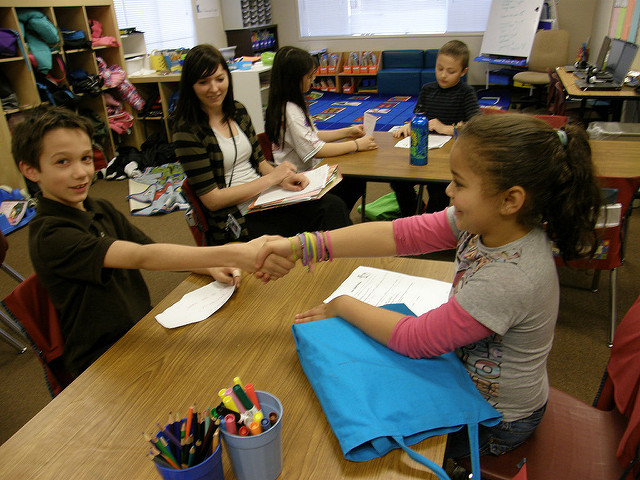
[
  {"x": 259, "y": 456},
  {"x": 210, "y": 469}
]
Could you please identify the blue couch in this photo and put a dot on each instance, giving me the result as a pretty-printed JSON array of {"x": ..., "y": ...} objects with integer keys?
[{"x": 404, "y": 72}]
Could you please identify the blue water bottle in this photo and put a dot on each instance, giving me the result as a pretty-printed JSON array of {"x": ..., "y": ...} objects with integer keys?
[{"x": 419, "y": 140}]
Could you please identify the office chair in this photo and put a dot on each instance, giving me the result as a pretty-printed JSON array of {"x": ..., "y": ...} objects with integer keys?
[
  {"x": 30, "y": 307},
  {"x": 576, "y": 440},
  {"x": 6, "y": 336},
  {"x": 550, "y": 49},
  {"x": 610, "y": 254},
  {"x": 267, "y": 148}
]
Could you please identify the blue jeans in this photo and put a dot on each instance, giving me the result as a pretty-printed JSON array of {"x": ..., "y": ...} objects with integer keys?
[{"x": 495, "y": 440}]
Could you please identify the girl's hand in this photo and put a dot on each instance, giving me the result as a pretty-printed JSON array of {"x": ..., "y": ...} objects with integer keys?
[
  {"x": 319, "y": 312},
  {"x": 228, "y": 275},
  {"x": 282, "y": 171},
  {"x": 366, "y": 143},
  {"x": 295, "y": 183},
  {"x": 276, "y": 245},
  {"x": 268, "y": 267},
  {"x": 355, "y": 131},
  {"x": 403, "y": 131}
]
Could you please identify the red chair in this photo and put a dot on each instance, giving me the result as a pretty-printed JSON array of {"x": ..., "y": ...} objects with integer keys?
[
  {"x": 196, "y": 216},
  {"x": 579, "y": 441},
  {"x": 267, "y": 147},
  {"x": 6, "y": 336},
  {"x": 30, "y": 306},
  {"x": 610, "y": 254}
]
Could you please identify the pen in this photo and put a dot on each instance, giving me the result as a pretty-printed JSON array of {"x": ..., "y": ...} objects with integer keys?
[
  {"x": 273, "y": 418},
  {"x": 265, "y": 424}
]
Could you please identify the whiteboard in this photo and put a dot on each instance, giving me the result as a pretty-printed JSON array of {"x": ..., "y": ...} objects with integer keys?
[{"x": 511, "y": 26}]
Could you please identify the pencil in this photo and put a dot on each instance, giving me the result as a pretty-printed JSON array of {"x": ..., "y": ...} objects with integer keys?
[
  {"x": 189, "y": 420},
  {"x": 170, "y": 461}
]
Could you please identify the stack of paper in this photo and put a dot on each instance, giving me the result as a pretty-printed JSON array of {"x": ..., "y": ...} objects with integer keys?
[{"x": 321, "y": 180}]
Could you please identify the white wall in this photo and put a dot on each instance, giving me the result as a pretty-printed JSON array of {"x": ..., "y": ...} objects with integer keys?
[
  {"x": 209, "y": 30},
  {"x": 576, "y": 16}
]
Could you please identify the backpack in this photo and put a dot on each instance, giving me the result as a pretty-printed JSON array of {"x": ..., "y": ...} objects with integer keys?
[{"x": 9, "y": 43}]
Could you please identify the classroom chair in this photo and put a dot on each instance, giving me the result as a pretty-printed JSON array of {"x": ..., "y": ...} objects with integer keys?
[
  {"x": 31, "y": 308},
  {"x": 576, "y": 440},
  {"x": 610, "y": 254},
  {"x": 6, "y": 336},
  {"x": 267, "y": 147},
  {"x": 195, "y": 215},
  {"x": 550, "y": 49}
]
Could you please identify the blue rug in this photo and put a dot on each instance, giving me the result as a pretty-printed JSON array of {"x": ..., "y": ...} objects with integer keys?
[{"x": 338, "y": 110}]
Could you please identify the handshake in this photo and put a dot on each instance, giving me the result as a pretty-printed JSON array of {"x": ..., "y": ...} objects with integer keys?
[{"x": 269, "y": 257}]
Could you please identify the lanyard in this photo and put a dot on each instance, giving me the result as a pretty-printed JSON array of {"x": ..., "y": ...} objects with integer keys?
[{"x": 235, "y": 153}]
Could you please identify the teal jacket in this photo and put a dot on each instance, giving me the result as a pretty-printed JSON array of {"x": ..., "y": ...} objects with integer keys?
[{"x": 40, "y": 34}]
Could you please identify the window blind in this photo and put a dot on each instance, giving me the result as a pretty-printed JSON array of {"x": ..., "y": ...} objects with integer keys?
[
  {"x": 165, "y": 23},
  {"x": 397, "y": 17}
]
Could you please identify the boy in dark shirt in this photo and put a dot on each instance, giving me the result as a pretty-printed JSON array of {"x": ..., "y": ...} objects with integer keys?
[
  {"x": 446, "y": 102},
  {"x": 86, "y": 253}
]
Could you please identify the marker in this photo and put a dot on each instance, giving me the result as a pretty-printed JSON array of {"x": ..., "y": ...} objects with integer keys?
[
  {"x": 230, "y": 424},
  {"x": 237, "y": 381},
  {"x": 255, "y": 428},
  {"x": 236, "y": 400},
  {"x": 243, "y": 431},
  {"x": 265, "y": 424},
  {"x": 273, "y": 418},
  {"x": 244, "y": 400},
  {"x": 222, "y": 392},
  {"x": 251, "y": 393},
  {"x": 224, "y": 411},
  {"x": 230, "y": 404}
]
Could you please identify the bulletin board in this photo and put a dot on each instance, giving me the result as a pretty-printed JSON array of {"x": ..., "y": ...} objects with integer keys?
[{"x": 511, "y": 27}]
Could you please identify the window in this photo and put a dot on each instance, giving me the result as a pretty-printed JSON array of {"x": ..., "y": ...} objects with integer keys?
[
  {"x": 165, "y": 23},
  {"x": 384, "y": 17}
]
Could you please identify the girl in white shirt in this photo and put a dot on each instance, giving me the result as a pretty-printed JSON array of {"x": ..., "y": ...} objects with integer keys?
[{"x": 290, "y": 128}]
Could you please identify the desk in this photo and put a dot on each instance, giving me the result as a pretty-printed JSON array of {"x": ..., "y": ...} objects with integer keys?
[
  {"x": 616, "y": 97},
  {"x": 612, "y": 158},
  {"x": 93, "y": 429}
]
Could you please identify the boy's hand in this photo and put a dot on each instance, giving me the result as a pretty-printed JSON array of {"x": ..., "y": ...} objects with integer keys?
[
  {"x": 403, "y": 131},
  {"x": 437, "y": 126},
  {"x": 277, "y": 246},
  {"x": 269, "y": 267},
  {"x": 228, "y": 275}
]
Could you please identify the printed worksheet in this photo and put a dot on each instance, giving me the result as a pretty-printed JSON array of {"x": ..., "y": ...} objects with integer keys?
[{"x": 380, "y": 287}]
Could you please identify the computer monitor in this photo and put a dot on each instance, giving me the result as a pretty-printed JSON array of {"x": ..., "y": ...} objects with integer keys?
[
  {"x": 602, "y": 55},
  {"x": 614, "y": 54},
  {"x": 629, "y": 51}
]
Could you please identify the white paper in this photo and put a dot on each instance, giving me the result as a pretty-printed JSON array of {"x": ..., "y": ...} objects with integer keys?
[
  {"x": 435, "y": 141},
  {"x": 317, "y": 180},
  {"x": 380, "y": 287},
  {"x": 207, "y": 8},
  {"x": 196, "y": 306},
  {"x": 369, "y": 123}
]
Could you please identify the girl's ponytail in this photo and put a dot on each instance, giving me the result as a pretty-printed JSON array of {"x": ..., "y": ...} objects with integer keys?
[
  {"x": 554, "y": 168},
  {"x": 573, "y": 211}
]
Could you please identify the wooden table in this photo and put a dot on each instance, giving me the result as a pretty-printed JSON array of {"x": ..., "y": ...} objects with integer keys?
[
  {"x": 93, "y": 429},
  {"x": 387, "y": 163},
  {"x": 616, "y": 97}
]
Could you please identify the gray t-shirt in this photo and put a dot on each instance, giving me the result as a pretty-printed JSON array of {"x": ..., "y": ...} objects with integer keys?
[{"x": 514, "y": 291}]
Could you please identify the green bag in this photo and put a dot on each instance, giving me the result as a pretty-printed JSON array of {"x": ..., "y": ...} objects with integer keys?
[{"x": 384, "y": 208}]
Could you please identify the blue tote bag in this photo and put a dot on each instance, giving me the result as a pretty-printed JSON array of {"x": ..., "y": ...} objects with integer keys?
[{"x": 400, "y": 401}]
